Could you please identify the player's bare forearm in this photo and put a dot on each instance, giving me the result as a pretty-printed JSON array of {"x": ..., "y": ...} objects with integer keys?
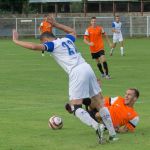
[
  {"x": 113, "y": 30},
  {"x": 65, "y": 28},
  {"x": 108, "y": 40},
  {"x": 29, "y": 45},
  {"x": 24, "y": 44},
  {"x": 88, "y": 42},
  {"x": 60, "y": 26},
  {"x": 122, "y": 129}
]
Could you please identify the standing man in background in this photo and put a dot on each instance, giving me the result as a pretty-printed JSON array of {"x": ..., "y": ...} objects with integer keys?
[
  {"x": 94, "y": 38},
  {"x": 45, "y": 26},
  {"x": 117, "y": 35}
]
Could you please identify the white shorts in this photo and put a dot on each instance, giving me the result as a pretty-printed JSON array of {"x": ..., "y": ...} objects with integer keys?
[
  {"x": 117, "y": 38},
  {"x": 83, "y": 82}
]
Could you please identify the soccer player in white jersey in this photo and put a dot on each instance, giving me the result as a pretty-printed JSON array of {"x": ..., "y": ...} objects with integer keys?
[
  {"x": 117, "y": 35},
  {"x": 82, "y": 80}
]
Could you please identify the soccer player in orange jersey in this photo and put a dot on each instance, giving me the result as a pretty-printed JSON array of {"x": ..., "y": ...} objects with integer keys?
[
  {"x": 123, "y": 114},
  {"x": 94, "y": 38},
  {"x": 45, "y": 26}
]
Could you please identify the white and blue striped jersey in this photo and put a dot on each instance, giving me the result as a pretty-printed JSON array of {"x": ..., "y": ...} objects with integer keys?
[
  {"x": 64, "y": 52},
  {"x": 117, "y": 27}
]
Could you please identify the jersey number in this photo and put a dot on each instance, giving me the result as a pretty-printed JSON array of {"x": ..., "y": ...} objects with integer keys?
[{"x": 70, "y": 47}]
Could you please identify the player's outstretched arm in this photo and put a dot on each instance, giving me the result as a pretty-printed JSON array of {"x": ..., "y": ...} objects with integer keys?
[
  {"x": 60, "y": 26},
  {"x": 24, "y": 44},
  {"x": 122, "y": 129},
  {"x": 88, "y": 42},
  {"x": 108, "y": 40}
]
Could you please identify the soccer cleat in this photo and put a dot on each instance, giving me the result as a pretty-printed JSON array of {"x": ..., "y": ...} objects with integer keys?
[
  {"x": 43, "y": 54},
  {"x": 99, "y": 132},
  {"x": 103, "y": 75},
  {"x": 113, "y": 138},
  {"x": 108, "y": 77}
]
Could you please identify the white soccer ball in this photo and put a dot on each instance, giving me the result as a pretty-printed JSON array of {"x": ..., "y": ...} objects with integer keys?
[{"x": 55, "y": 122}]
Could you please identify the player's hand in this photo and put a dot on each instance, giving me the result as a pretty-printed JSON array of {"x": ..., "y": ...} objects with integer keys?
[
  {"x": 51, "y": 20},
  {"x": 15, "y": 35},
  {"x": 116, "y": 31},
  {"x": 91, "y": 44}
]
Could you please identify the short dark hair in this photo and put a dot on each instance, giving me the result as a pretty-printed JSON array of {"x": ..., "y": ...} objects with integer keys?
[
  {"x": 45, "y": 15},
  {"x": 47, "y": 35},
  {"x": 93, "y": 18},
  {"x": 136, "y": 92}
]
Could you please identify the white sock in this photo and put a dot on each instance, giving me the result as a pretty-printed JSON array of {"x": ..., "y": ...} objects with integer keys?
[
  {"x": 122, "y": 50},
  {"x": 111, "y": 51},
  {"x": 105, "y": 115},
  {"x": 86, "y": 118}
]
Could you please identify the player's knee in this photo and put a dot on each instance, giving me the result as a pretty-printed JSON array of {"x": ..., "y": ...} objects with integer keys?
[
  {"x": 105, "y": 64},
  {"x": 86, "y": 101},
  {"x": 76, "y": 107},
  {"x": 68, "y": 108},
  {"x": 72, "y": 109}
]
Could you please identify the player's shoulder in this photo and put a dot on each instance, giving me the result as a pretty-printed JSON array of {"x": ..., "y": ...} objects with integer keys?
[
  {"x": 120, "y": 99},
  {"x": 89, "y": 28},
  {"x": 99, "y": 27},
  {"x": 70, "y": 37},
  {"x": 113, "y": 24},
  {"x": 41, "y": 24}
]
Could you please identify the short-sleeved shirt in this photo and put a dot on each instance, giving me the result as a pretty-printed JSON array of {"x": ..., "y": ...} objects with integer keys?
[
  {"x": 64, "y": 52},
  {"x": 94, "y": 34},
  {"x": 45, "y": 27},
  {"x": 121, "y": 114},
  {"x": 117, "y": 27}
]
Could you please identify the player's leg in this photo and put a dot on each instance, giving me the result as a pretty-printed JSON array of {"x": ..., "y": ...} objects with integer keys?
[
  {"x": 83, "y": 115},
  {"x": 120, "y": 39},
  {"x": 112, "y": 49},
  {"x": 43, "y": 53},
  {"x": 96, "y": 57},
  {"x": 113, "y": 45},
  {"x": 105, "y": 115},
  {"x": 122, "y": 48},
  {"x": 79, "y": 89},
  {"x": 100, "y": 68},
  {"x": 105, "y": 66},
  {"x": 79, "y": 80},
  {"x": 97, "y": 101}
]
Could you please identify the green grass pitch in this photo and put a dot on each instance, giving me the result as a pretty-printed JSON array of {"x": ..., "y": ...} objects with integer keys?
[{"x": 33, "y": 88}]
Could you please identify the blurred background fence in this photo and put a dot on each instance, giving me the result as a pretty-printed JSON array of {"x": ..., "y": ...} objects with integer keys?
[{"x": 132, "y": 26}]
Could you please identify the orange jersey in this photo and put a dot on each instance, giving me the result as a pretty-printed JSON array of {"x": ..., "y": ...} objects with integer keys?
[
  {"x": 95, "y": 35},
  {"x": 121, "y": 114},
  {"x": 45, "y": 27}
]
